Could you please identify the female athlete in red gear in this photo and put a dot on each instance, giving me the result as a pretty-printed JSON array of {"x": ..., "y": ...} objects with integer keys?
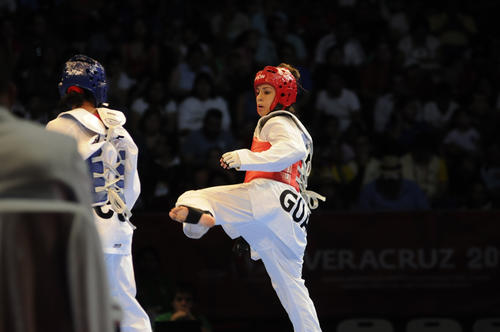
[{"x": 271, "y": 209}]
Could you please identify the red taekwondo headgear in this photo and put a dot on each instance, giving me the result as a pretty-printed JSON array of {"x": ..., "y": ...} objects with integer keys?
[{"x": 283, "y": 82}]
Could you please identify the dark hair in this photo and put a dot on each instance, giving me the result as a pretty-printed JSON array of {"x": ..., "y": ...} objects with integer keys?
[
  {"x": 203, "y": 76},
  {"x": 213, "y": 112},
  {"x": 149, "y": 112},
  {"x": 295, "y": 72},
  {"x": 74, "y": 99},
  {"x": 185, "y": 287}
]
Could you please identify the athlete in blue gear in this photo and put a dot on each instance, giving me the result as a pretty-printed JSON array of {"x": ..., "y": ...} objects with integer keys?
[{"x": 111, "y": 155}]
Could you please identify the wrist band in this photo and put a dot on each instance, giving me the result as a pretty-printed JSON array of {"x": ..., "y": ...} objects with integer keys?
[{"x": 194, "y": 215}]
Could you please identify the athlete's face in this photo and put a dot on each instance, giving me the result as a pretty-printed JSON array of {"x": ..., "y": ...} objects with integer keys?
[{"x": 264, "y": 96}]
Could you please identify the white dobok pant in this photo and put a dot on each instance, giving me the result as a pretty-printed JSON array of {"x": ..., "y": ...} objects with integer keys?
[
  {"x": 122, "y": 285},
  {"x": 233, "y": 207}
]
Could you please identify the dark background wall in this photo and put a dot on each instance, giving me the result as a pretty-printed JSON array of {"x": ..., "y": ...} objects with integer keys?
[{"x": 422, "y": 80}]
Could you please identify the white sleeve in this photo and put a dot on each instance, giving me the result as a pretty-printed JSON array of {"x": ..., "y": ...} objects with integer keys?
[{"x": 287, "y": 147}]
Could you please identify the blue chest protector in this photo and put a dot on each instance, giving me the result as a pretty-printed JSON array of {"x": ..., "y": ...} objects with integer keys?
[{"x": 108, "y": 178}]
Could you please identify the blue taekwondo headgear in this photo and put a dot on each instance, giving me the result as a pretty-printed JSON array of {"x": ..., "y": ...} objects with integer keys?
[{"x": 86, "y": 73}]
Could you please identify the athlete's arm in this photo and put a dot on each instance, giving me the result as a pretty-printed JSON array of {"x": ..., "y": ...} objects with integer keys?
[{"x": 287, "y": 147}]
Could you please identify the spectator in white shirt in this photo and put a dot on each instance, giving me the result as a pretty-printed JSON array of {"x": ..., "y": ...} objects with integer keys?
[
  {"x": 463, "y": 138},
  {"x": 439, "y": 111},
  {"x": 339, "y": 101},
  {"x": 419, "y": 47},
  {"x": 203, "y": 97},
  {"x": 352, "y": 51}
]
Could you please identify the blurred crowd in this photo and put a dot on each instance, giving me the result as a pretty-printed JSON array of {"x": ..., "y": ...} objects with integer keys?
[{"x": 401, "y": 97}]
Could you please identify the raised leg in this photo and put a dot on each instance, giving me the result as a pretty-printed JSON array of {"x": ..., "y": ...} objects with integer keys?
[{"x": 187, "y": 214}]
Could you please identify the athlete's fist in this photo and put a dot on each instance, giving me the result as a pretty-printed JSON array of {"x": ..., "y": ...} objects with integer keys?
[{"x": 230, "y": 160}]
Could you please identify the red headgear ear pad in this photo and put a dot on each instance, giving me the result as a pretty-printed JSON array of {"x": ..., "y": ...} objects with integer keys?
[{"x": 283, "y": 82}]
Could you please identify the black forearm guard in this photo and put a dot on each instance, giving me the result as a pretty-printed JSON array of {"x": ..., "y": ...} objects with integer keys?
[{"x": 194, "y": 215}]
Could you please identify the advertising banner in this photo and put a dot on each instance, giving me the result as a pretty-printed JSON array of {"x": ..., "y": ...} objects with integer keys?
[{"x": 391, "y": 264}]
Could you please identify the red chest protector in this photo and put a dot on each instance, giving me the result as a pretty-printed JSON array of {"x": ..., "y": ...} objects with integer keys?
[{"x": 288, "y": 175}]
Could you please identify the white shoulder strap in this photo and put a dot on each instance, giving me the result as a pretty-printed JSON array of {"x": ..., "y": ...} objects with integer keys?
[
  {"x": 111, "y": 118},
  {"x": 88, "y": 120},
  {"x": 309, "y": 196}
]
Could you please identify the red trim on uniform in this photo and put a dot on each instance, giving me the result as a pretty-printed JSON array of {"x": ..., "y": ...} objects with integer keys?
[
  {"x": 259, "y": 146},
  {"x": 74, "y": 88},
  {"x": 288, "y": 175}
]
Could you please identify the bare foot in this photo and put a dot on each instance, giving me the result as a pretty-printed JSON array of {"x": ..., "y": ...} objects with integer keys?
[
  {"x": 179, "y": 213},
  {"x": 207, "y": 220}
]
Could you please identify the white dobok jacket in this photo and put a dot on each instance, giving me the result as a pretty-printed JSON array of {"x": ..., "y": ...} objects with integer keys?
[{"x": 111, "y": 155}]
